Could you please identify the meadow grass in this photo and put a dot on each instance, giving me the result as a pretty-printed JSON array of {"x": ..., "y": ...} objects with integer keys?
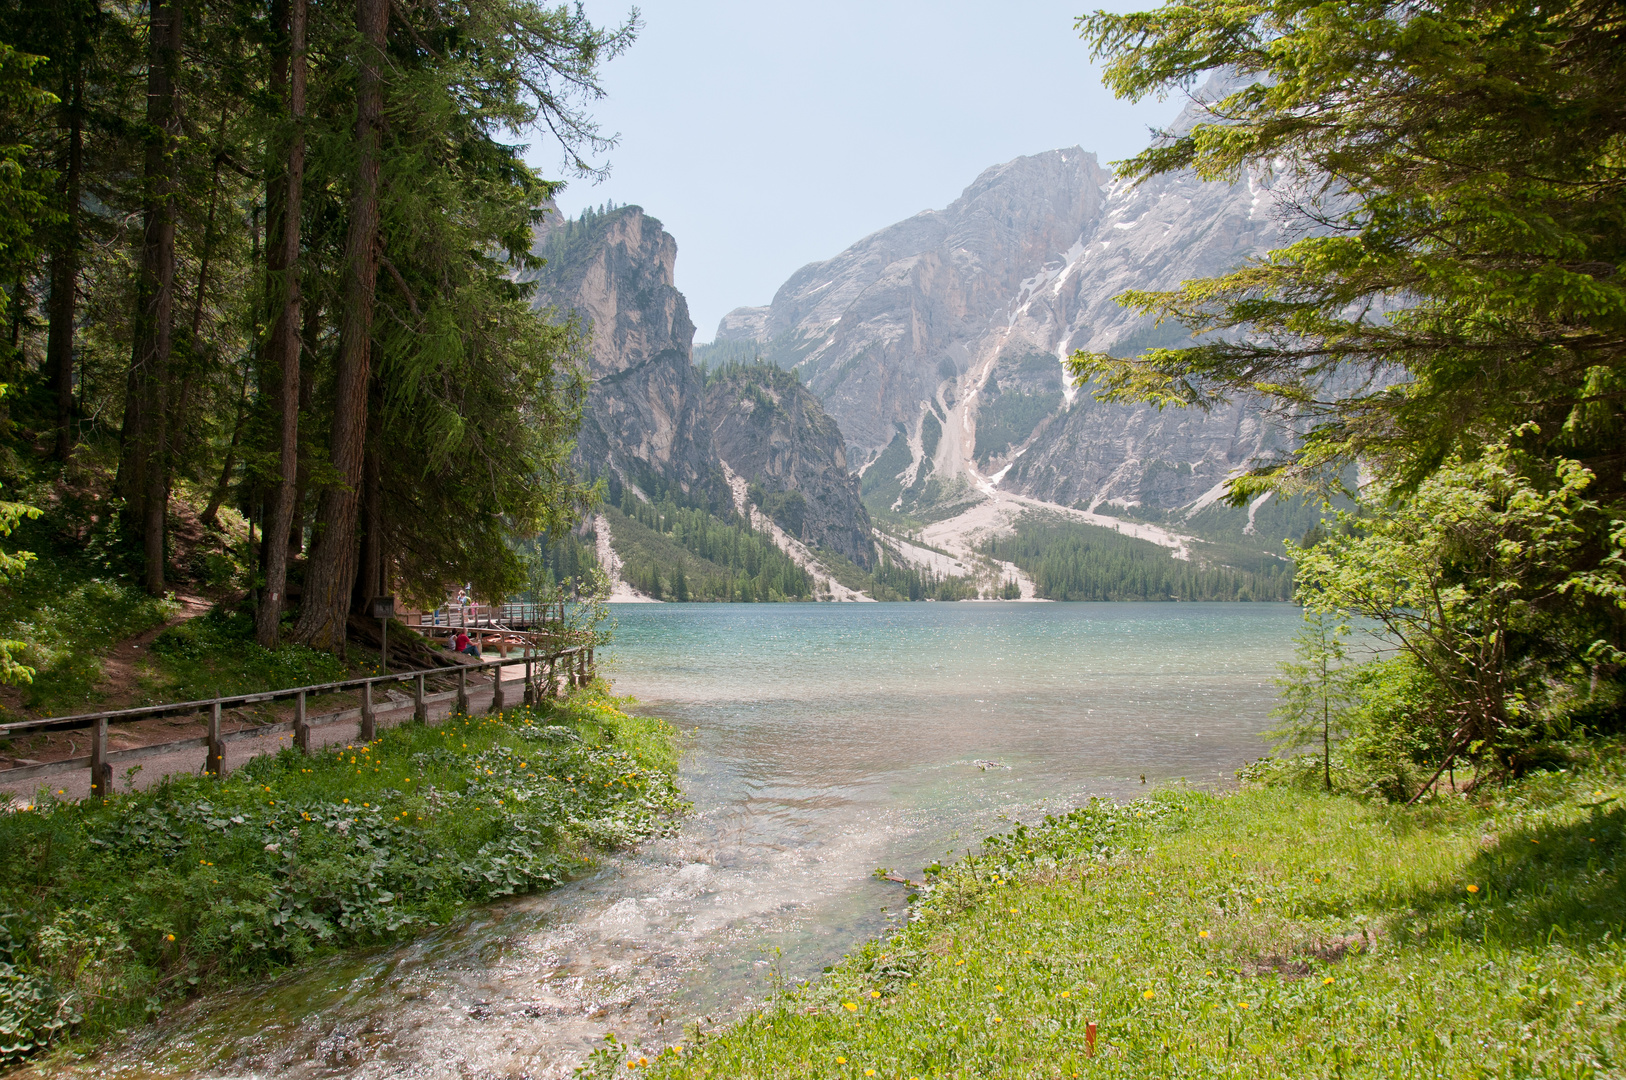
[
  {"x": 1269, "y": 933},
  {"x": 110, "y": 908}
]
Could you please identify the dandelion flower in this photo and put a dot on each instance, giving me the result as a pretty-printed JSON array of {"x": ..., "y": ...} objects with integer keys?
[
  {"x": 1327, "y": 981},
  {"x": 999, "y": 1020},
  {"x": 874, "y": 993},
  {"x": 1149, "y": 995},
  {"x": 869, "y": 1072},
  {"x": 1473, "y": 888},
  {"x": 643, "y": 1061},
  {"x": 169, "y": 937},
  {"x": 1202, "y": 933},
  {"x": 841, "y": 1060},
  {"x": 1066, "y": 993},
  {"x": 849, "y": 1006},
  {"x": 1000, "y": 989},
  {"x": 959, "y": 963},
  {"x": 1242, "y": 1004}
]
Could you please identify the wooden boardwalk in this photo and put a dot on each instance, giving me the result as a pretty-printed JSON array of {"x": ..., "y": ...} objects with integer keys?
[{"x": 460, "y": 687}]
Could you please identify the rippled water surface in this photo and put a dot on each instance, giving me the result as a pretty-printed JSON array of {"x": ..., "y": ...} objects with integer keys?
[{"x": 825, "y": 741}]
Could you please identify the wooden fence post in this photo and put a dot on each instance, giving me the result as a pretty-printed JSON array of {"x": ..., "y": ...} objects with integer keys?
[
  {"x": 462, "y": 689},
  {"x": 101, "y": 773},
  {"x": 591, "y": 670},
  {"x": 420, "y": 710},
  {"x": 302, "y": 730},
  {"x": 530, "y": 688},
  {"x": 496, "y": 690},
  {"x": 214, "y": 763},
  {"x": 369, "y": 725}
]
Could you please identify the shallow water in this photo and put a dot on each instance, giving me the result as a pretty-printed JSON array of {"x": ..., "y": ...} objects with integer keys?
[{"x": 825, "y": 741}]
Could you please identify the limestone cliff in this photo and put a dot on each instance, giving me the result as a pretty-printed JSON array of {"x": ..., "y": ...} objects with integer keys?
[
  {"x": 650, "y": 422},
  {"x": 643, "y": 423},
  {"x": 773, "y": 433}
]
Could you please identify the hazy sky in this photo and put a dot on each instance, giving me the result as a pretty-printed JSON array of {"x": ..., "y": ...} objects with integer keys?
[{"x": 765, "y": 136}]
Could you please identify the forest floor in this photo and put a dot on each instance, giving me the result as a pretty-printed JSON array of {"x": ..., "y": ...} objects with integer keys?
[{"x": 1271, "y": 932}]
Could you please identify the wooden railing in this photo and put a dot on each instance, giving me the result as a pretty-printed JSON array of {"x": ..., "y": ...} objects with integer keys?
[
  {"x": 465, "y": 616},
  {"x": 557, "y": 669}
]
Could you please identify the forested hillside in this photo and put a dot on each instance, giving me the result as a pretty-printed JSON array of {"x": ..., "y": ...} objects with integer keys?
[{"x": 1073, "y": 561}]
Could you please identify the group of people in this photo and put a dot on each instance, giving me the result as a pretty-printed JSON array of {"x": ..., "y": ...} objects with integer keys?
[{"x": 462, "y": 642}]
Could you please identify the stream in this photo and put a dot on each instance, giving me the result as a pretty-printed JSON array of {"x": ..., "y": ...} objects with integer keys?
[{"x": 822, "y": 742}]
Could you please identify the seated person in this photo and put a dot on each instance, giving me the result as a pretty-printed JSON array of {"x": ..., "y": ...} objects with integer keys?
[{"x": 463, "y": 644}]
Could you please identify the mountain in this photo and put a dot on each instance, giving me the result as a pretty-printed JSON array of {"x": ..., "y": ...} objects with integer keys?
[
  {"x": 937, "y": 344},
  {"x": 654, "y": 430},
  {"x": 644, "y": 421},
  {"x": 773, "y": 433}
]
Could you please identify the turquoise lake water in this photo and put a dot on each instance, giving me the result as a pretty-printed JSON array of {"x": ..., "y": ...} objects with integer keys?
[{"x": 822, "y": 742}]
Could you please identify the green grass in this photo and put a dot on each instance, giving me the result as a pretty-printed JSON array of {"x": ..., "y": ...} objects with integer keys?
[
  {"x": 70, "y": 613},
  {"x": 1265, "y": 934},
  {"x": 214, "y": 655},
  {"x": 109, "y": 909}
]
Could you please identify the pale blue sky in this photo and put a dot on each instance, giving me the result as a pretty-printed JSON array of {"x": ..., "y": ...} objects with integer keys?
[{"x": 765, "y": 136}]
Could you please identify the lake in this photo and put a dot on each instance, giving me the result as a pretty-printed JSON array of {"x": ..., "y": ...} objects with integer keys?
[{"x": 822, "y": 742}]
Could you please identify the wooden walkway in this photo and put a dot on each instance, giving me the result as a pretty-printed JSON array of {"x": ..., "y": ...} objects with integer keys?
[{"x": 541, "y": 674}]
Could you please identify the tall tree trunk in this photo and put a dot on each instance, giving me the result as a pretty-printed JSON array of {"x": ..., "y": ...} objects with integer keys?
[
  {"x": 331, "y": 569},
  {"x": 183, "y": 398},
  {"x": 143, "y": 479},
  {"x": 310, "y": 339},
  {"x": 370, "y": 573},
  {"x": 285, "y": 339},
  {"x": 223, "y": 485},
  {"x": 65, "y": 270}
]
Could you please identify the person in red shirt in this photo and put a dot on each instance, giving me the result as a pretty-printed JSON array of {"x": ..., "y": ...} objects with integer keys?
[{"x": 462, "y": 644}]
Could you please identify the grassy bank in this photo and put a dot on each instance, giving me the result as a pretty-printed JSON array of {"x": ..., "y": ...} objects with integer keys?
[
  {"x": 110, "y": 910},
  {"x": 1268, "y": 933}
]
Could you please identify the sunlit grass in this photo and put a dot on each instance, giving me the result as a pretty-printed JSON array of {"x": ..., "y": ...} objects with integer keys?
[{"x": 1265, "y": 934}]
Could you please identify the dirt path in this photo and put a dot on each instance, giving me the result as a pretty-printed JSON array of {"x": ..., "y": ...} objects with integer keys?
[{"x": 126, "y": 662}]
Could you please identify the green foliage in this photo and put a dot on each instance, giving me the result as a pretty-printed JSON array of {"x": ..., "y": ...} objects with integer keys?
[
  {"x": 896, "y": 579},
  {"x": 1316, "y": 689},
  {"x": 881, "y": 484},
  {"x": 667, "y": 548},
  {"x": 12, "y": 564},
  {"x": 1006, "y": 418},
  {"x": 66, "y": 613},
  {"x": 1072, "y": 561},
  {"x": 1267, "y": 933},
  {"x": 214, "y": 655},
  {"x": 931, "y": 430},
  {"x": 1485, "y": 576},
  {"x": 562, "y": 565},
  {"x": 1459, "y": 163},
  {"x": 113, "y": 906},
  {"x": 787, "y": 509}
]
